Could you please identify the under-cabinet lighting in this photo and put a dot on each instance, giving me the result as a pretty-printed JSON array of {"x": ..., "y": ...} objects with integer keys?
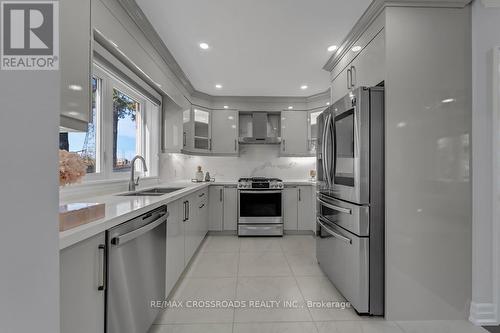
[
  {"x": 204, "y": 46},
  {"x": 448, "y": 100},
  {"x": 356, "y": 48},
  {"x": 303, "y": 87},
  {"x": 226, "y": 107},
  {"x": 290, "y": 107},
  {"x": 218, "y": 86},
  {"x": 327, "y": 103}
]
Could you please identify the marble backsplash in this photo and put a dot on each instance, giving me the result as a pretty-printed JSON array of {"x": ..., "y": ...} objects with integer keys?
[{"x": 254, "y": 160}]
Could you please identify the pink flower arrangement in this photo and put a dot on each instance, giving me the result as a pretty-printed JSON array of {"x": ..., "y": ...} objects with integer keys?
[{"x": 72, "y": 168}]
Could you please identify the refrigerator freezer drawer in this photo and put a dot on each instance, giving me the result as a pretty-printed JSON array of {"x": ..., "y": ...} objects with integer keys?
[{"x": 344, "y": 258}]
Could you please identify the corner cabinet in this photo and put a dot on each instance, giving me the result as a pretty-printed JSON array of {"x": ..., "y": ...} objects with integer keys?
[
  {"x": 312, "y": 131},
  {"x": 75, "y": 64},
  {"x": 82, "y": 282},
  {"x": 294, "y": 140}
]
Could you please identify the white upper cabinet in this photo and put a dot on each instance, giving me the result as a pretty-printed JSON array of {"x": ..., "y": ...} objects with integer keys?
[
  {"x": 188, "y": 130},
  {"x": 312, "y": 130},
  {"x": 202, "y": 130},
  {"x": 75, "y": 63},
  {"x": 225, "y": 132},
  {"x": 368, "y": 69},
  {"x": 294, "y": 140}
]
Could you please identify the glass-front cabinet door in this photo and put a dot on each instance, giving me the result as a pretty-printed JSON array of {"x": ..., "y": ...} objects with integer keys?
[
  {"x": 202, "y": 138},
  {"x": 313, "y": 130}
]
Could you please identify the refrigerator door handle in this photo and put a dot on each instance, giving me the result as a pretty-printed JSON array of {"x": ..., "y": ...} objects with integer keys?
[
  {"x": 333, "y": 233},
  {"x": 334, "y": 207},
  {"x": 326, "y": 171}
]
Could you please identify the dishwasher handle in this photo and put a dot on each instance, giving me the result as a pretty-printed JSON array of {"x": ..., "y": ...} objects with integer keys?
[{"x": 122, "y": 239}]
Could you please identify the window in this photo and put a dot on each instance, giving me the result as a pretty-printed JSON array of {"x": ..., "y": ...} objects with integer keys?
[{"x": 124, "y": 123}]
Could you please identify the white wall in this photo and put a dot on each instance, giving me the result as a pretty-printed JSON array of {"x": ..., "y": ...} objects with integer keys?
[
  {"x": 29, "y": 236},
  {"x": 254, "y": 160},
  {"x": 485, "y": 36}
]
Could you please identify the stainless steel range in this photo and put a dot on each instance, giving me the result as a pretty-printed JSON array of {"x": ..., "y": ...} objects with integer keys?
[{"x": 260, "y": 206}]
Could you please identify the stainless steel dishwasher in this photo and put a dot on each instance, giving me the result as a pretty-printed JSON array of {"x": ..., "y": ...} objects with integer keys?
[{"x": 136, "y": 272}]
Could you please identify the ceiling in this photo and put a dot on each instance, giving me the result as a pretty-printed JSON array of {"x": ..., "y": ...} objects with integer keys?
[{"x": 256, "y": 47}]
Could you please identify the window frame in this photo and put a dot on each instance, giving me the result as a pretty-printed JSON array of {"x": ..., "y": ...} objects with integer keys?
[{"x": 149, "y": 134}]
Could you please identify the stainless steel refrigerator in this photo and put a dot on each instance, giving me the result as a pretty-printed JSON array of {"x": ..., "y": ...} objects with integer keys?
[{"x": 350, "y": 201}]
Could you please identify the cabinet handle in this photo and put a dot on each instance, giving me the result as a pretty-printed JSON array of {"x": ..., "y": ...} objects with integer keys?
[
  {"x": 349, "y": 78},
  {"x": 199, "y": 196},
  {"x": 284, "y": 145},
  {"x": 209, "y": 144},
  {"x": 185, "y": 211},
  {"x": 184, "y": 139},
  {"x": 354, "y": 75},
  {"x": 235, "y": 145},
  {"x": 202, "y": 205},
  {"x": 300, "y": 197},
  {"x": 188, "y": 212},
  {"x": 102, "y": 267},
  {"x": 220, "y": 195}
]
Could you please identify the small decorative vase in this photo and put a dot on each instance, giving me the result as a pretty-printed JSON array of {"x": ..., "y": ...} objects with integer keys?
[{"x": 199, "y": 174}]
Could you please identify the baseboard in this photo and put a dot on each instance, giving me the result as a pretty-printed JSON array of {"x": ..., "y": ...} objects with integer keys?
[
  {"x": 483, "y": 314},
  {"x": 298, "y": 232},
  {"x": 222, "y": 233}
]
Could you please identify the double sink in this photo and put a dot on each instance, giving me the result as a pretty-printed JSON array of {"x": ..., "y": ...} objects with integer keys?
[{"x": 154, "y": 192}]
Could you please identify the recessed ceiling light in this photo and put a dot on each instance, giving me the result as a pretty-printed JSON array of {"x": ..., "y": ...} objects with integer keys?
[
  {"x": 218, "y": 86},
  {"x": 290, "y": 107},
  {"x": 303, "y": 87},
  {"x": 448, "y": 100},
  {"x": 356, "y": 48},
  {"x": 332, "y": 48},
  {"x": 75, "y": 87},
  {"x": 226, "y": 107},
  {"x": 204, "y": 46}
]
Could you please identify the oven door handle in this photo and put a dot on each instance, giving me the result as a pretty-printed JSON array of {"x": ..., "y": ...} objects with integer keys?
[
  {"x": 261, "y": 191},
  {"x": 335, "y": 207},
  {"x": 333, "y": 233}
]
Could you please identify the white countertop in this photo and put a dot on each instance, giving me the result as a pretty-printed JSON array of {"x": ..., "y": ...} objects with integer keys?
[{"x": 120, "y": 209}]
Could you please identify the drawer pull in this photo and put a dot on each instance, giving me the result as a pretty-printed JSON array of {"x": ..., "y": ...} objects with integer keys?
[
  {"x": 334, "y": 207},
  {"x": 333, "y": 233}
]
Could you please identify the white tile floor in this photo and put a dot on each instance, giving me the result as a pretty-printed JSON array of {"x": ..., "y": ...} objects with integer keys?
[{"x": 263, "y": 269}]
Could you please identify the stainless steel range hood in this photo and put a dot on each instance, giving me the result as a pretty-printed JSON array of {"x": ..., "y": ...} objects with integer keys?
[{"x": 260, "y": 128}]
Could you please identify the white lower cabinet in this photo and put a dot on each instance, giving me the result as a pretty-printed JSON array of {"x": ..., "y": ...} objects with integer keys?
[
  {"x": 306, "y": 208},
  {"x": 230, "y": 208},
  {"x": 82, "y": 286},
  {"x": 290, "y": 199},
  {"x": 175, "y": 244},
  {"x": 216, "y": 208},
  {"x": 298, "y": 208}
]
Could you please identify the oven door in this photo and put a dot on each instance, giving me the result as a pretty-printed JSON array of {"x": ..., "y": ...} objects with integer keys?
[
  {"x": 260, "y": 206},
  {"x": 351, "y": 147}
]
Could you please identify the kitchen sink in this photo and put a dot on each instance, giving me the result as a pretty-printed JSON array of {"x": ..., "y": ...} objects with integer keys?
[{"x": 154, "y": 192}]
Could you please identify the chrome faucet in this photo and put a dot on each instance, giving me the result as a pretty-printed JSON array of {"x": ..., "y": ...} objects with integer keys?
[{"x": 132, "y": 182}]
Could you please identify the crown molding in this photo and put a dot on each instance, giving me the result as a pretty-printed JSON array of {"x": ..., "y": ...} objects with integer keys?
[
  {"x": 139, "y": 18},
  {"x": 373, "y": 11}
]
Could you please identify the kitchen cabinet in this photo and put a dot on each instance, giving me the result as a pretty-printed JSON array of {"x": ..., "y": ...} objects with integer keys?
[
  {"x": 216, "y": 208},
  {"x": 188, "y": 131},
  {"x": 224, "y": 132},
  {"x": 230, "y": 208},
  {"x": 312, "y": 130},
  {"x": 294, "y": 133},
  {"x": 202, "y": 130},
  {"x": 366, "y": 69},
  {"x": 306, "y": 208},
  {"x": 75, "y": 63},
  {"x": 82, "y": 280},
  {"x": 172, "y": 127},
  {"x": 195, "y": 218},
  {"x": 175, "y": 244},
  {"x": 290, "y": 200}
]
